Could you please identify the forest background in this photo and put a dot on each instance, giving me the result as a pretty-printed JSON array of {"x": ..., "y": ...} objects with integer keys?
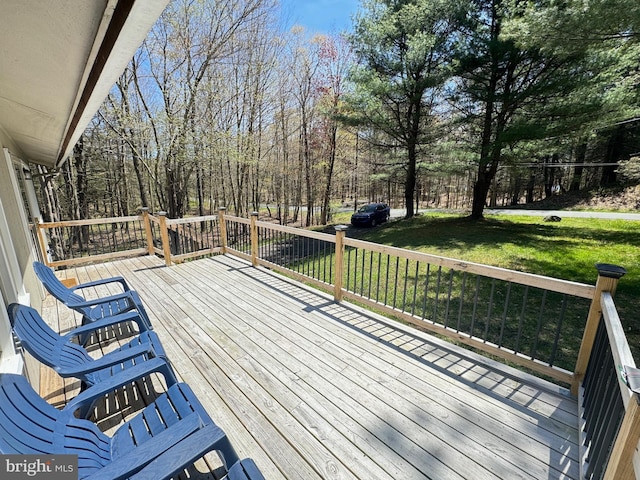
[{"x": 425, "y": 103}]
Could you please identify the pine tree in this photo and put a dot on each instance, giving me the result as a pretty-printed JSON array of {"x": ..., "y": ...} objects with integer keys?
[{"x": 405, "y": 49}]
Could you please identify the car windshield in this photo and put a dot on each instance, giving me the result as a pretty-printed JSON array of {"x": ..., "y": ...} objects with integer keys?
[{"x": 367, "y": 208}]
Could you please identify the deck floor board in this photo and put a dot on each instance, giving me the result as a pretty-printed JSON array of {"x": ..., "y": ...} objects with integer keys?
[{"x": 314, "y": 389}]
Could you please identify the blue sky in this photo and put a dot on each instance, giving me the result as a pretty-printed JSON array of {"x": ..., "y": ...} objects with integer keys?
[{"x": 320, "y": 16}]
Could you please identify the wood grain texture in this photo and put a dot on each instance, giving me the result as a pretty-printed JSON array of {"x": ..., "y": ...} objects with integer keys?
[{"x": 310, "y": 388}]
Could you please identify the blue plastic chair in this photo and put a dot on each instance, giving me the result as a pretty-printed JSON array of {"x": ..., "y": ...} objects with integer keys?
[
  {"x": 158, "y": 443},
  {"x": 137, "y": 359},
  {"x": 98, "y": 308}
]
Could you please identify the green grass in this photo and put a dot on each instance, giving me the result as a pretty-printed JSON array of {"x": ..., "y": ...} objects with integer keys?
[{"x": 568, "y": 249}]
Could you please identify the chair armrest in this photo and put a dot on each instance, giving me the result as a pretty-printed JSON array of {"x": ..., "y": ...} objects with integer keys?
[
  {"x": 244, "y": 470},
  {"x": 104, "y": 281},
  {"x": 101, "y": 300},
  {"x": 104, "y": 322},
  {"x": 109, "y": 360},
  {"x": 184, "y": 453},
  {"x": 188, "y": 433},
  {"x": 85, "y": 399}
]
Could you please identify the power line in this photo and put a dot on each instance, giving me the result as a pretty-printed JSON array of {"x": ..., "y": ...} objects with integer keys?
[{"x": 559, "y": 165}]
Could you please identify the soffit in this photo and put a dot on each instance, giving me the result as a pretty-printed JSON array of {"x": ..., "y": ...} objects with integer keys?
[{"x": 55, "y": 70}]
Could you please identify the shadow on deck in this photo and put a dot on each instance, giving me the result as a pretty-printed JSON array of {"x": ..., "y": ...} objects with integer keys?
[{"x": 311, "y": 388}]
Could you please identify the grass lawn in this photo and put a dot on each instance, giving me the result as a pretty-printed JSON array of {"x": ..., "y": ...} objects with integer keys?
[{"x": 568, "y": 249}]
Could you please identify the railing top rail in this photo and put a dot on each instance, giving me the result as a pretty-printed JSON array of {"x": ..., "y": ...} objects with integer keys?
[
  {"x": 203, "y": 218},
  {"x": 231, "y": 218},
  {"x": 327, "y": 237},
  {"x": 548, "y": 283},
  {"x": 620, "y": 350},
  {"x": 530, "y": 279},
  {"x": 92, "y": 221}
]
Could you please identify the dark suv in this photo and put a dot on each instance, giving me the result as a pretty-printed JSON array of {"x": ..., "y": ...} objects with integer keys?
[{"x": 370, "y": 215}]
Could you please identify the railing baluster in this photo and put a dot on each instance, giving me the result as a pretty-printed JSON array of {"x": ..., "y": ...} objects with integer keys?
[
  {"x": 504, "y": 314},
  {"x": 521, "y": 321},
  {"x": 534, "y": 347},
  {"x": 437, "y": 295},
  {"x": 475, "y": 307},
  {"x": 331, "y": 263},
  {"x": 462, "y": 292},
  {"x": 449, "y": 290},
  {"x": 324, "y": 261},
  {"x": 313, "y": 258},
  {"x": 404, "y": 290},
  {"x": 378, "y": 280},
  {"x": 556, "y": 339},
  {"x": 386, "y": 283},
  {"x": 489, "y": 311},
  {"x": 370, "y": 274},
  {"x": 426, "y": 291},
  {"x": 415, "y": 288},
  {"x": 348, "y": 268},
  {"x": 364, "y": 254},
  {"x": 395, "y": 282},
  {"x": 305, "y": 255}
]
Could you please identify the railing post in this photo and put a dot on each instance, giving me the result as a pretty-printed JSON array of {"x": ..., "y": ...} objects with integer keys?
[
  {"x": 41, "y": 241},
  {"x": 164, "y": 235},
  {"x": 222, "y": 227},
  {"x": 341, "y": 231},
  {"x": 254, "y": 239},
  {"x": 147, "y": 229},
  {"x": 608, "y": 276}
]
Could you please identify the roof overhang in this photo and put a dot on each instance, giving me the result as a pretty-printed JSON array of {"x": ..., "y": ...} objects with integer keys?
[{"x": 58, "y": 61}]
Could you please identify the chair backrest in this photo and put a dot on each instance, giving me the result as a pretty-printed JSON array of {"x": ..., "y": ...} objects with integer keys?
[
  {"x": 29, "y": 425},
  {"x": 42, "y": 342},
  {"x": 53, "y": 284}
]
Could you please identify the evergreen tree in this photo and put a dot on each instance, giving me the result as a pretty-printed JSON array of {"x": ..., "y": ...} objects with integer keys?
[
  {"x": 512, "y": 92},
  {"x": 606, "y": 33},
  {"x": 404, "y": 48}
]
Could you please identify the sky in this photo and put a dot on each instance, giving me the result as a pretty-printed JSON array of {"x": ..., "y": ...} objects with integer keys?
[{"x": 320, "y": 16}]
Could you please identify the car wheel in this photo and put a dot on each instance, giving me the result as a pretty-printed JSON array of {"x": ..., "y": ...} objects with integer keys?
[{"x": 373, "y": 222}]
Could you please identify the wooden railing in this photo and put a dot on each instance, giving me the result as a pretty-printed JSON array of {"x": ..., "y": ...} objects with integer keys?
[
  {"x": 76, "y": 242},
  {"x": 96, "y": 240},
  {"x": 609, "y": 412},
  {"x": 520, "y": 317}
]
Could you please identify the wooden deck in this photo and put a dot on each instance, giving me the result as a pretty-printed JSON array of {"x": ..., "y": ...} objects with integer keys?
[{"x": 314, "y": 389}]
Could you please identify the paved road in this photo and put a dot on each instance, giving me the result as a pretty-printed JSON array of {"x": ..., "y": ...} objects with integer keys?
[
  {"x": 397, "y": 213},
  {"x": 564, "y": 213}
]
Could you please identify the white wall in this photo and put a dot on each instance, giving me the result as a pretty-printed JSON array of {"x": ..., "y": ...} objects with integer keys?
[{"x": 18, "y": 282}]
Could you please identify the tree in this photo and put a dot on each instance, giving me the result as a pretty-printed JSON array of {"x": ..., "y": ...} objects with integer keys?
[
  {"x": 512, "y": 93},
  {"x": 605, "y": 35},
  {"x": 405, "y": 49},
  {"x": 304, "y": 67},
  {"x": 182, "y": 47},
  {"x": 335, "y": 59}
]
